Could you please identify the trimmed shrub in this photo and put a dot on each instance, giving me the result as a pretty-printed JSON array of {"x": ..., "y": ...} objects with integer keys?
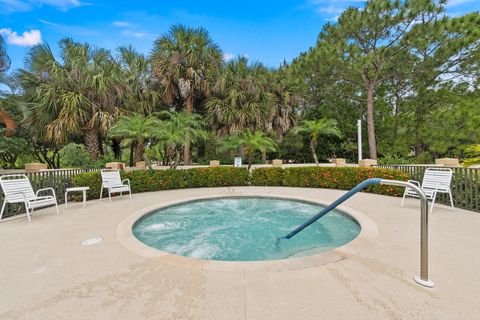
[
  {"x": 267, "y": 177},
  {"x": 156, "y": 180},
  {"x": 216, "y": 177},
  {"x": 343, "y": 178}
]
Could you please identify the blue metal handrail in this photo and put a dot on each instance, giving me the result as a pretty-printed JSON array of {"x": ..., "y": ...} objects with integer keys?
[
  {"x": 423, "y": 278},
  {"x": 334, "y": 204}
]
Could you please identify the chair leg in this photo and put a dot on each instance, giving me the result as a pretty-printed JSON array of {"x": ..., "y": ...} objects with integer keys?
[
  {"x": 109, "y": 196},
  {"x": 3, "y": 208},
  {"x": 433, "y": 202},
  {"x": 28, "y": 212},
  {"x": 449, "y": 195},
  {"x": 403, "y": 199},
  {"x": 56, "y": 207},
  {"x": 130, "y": 193},
  {"x": 101, "y": 192}
]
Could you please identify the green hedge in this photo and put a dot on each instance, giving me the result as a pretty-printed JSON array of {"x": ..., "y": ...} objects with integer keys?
[
  {"x": 267, "y": 177},
  {"x": 343, "y": 178},
  {"x": 156, "y": 180}
]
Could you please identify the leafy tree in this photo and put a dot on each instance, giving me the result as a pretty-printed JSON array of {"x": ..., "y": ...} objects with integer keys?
[
  {"x": 75, "y": 156},
  {"x": 135, "y": 130},
  {"x": 183, "y": 60},
  {"x": 240, "y": 100},
  {"x": 76, "y": 95},
  {"x": 4, "y": 59},
  {"x": 250, "y": 142},
  {"x": 443, "y": 54},
  {"x": 11, "y": 147},
  {"x": 175, "y": 129},
  {"x": 315, "y": 128}
]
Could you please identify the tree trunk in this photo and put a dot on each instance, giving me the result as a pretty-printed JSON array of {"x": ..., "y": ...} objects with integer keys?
[
  {"x": 264, "y": 156},
  {"x": 91, "y": 143},
  {"x": 186, "y": 151},
  {"x": 250, "y": 160},
  {"x": 132, "y": 149},
  {"x": 139, "y": 151},
  {"x": 117, "y": 150},
  {"x": 313, "y": 147},
  {"x": 100, "y": 144},
  {"x": 372, "y": 144}
]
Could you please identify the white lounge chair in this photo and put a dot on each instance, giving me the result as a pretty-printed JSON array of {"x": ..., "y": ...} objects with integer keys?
[
  {"x": 112, "y": 182},
  {"x": 18, "y": 189},
  {"x": 435, "y": 181}
]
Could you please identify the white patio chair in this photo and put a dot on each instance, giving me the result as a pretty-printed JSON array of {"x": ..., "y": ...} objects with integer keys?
[
  {"x": 112, "y": 182},
  {"x": 435, "y": 181},
  {"x": 18, "y": 189}
]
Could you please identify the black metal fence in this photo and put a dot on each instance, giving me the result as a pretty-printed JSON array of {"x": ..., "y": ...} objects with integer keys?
[
  {"x": 465, "y": 182},
  {"x": 59, "y": 180}
]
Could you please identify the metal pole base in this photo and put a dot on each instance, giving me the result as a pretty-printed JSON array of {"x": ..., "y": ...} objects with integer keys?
[{"x": 425, "y": 283}]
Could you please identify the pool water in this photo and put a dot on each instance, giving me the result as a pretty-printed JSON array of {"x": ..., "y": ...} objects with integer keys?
[{"x": 243, "y": 229}]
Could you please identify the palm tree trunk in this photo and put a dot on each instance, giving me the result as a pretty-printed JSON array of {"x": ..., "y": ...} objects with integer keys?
[
  {"x": 313, "y": 149},
  {"x": 117, "y": 150},
  {"x": 132, "y": 149},
  {"x": 186, "y": 152},
  {"x": 91, "y": 143},
  {"x": 372, "y": 144},
  {"x": 139, "y": 151},
  {"x": 264, "y": 156}
]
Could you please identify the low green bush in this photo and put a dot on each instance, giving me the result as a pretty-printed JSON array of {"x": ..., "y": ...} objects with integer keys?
[
  {"x": 216, "y": 177},
  {"x": 156, "y": 180},
  {"x": 267, "y": 177},
  {"x": 343, "y": 178}
]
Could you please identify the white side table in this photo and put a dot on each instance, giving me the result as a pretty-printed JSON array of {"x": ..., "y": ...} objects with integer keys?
[{"x": 83, "y": 189}]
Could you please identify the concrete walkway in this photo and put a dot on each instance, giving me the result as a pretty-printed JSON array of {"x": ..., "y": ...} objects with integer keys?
[{"x": 45, "y": 273}]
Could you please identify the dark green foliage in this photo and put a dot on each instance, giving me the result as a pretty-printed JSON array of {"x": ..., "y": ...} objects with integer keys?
[
  {"x": 267, "y": 177},
  {"x": 216, "y": 177},
  {"x": 305, "y": 177},
  {"x": 156, "y": 180},
  {"x": 327, "y": 177}
]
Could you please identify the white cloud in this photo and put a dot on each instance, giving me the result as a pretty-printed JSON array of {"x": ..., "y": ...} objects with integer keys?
[
  {"x": 28, "y": 38},
  {"x": 228, "y": 56},
  {"x": 135, "y": 34},
  {"x": 121, "y": 24}
]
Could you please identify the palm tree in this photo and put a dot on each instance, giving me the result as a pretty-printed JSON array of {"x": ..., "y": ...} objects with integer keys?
[
  {"x": 4, "y": 80},
  {"x": 79, "y": 94},
  {"x": 135, "y": 130},
  {"x": 4, "y": 59},
  {"x": 285, "y": 104},
  {"x": 175, "y": 129},
  {"x": 251, "y": 142},
  {"x": 183, "y": 60},
  {"x": 140, "y": 94},
  {"x": 240, "y": 100},
  {"x": 316, "y": 128}
]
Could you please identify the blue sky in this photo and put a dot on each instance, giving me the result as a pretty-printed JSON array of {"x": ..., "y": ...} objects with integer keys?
[{"x": 267, "y": 31}]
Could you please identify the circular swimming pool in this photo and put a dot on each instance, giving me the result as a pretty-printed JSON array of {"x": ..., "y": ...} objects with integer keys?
[{"x": 243, "y": 229}]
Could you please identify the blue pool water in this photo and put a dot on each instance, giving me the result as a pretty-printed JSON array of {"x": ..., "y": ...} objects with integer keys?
[{"x": 243, "y": 229}]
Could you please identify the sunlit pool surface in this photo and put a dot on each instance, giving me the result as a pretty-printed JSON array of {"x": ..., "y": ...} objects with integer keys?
[{"x": 243, "y": 229}]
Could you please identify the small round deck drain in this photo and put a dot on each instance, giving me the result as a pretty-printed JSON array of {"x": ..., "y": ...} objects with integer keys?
[{"x": 89, "y": 242}]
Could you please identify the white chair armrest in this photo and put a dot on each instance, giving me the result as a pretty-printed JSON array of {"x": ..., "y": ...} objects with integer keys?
[
  {"x": 46, "y": 189},
  {"x": 128, "y": 181},
  {"x": 414, "y": 182}
]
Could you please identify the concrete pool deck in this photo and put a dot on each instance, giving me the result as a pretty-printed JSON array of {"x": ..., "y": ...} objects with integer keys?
[{"x": 45, "y": 272}]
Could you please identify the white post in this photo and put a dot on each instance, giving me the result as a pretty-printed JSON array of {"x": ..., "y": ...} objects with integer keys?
[{"x": 359, "y": 127}]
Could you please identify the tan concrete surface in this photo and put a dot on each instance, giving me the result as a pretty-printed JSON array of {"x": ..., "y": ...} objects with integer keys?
[{"x": 45, "y": 273}]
